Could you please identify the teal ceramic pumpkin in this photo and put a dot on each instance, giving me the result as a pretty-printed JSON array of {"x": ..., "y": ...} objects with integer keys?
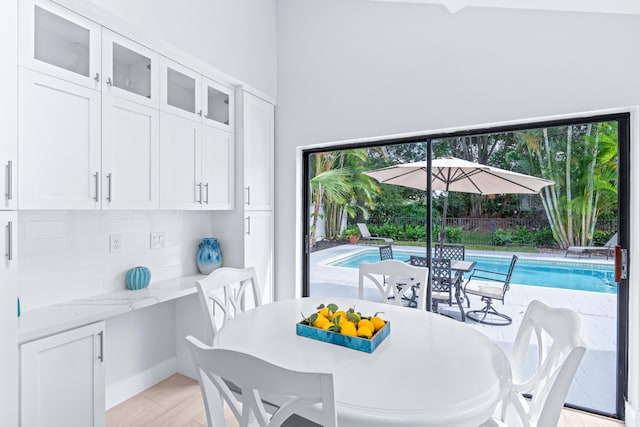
[{"x": 138, "y": 278}]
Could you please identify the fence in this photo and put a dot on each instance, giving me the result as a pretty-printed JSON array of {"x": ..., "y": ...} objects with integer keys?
[{"x": 493, "y": 231}]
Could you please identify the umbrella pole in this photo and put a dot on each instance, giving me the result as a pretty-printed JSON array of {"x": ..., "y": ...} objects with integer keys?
[{"x": 443, "y": 231}]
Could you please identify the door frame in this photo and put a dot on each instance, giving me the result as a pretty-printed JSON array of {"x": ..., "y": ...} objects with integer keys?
[{"x": 622, "y": 116}]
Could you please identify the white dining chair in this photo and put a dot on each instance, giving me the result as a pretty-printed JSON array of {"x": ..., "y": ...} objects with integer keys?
[
  {"x": 392, "y": 279},
  {"x": 253, "y": 376},
  {"x": 559, "y": 348},
  {"x": 224, "y": 293}
]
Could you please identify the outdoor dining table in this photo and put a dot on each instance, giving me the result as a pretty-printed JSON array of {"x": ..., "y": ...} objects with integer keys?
[{"x": 429, "y": 371}]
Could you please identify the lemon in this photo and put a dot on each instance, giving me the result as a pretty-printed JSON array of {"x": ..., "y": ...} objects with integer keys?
[
  {"x": 366, "y": 323},
  {"x": 341, "y": 313},
  {"x": 324, "y": 312},
  {"x": 377, "y": 322},
  {"x": 349, "y": 329},
  {"x": 326, "y": 325},
  {"x": 320, "y": 321},
  {"x": 364, "y": 332}
]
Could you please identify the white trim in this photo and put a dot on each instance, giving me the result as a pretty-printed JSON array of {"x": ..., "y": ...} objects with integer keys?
[
  {"x": 633, "y": 377},
  {"x": 626, "y": 7},
  {"x": 129, "y": 387}
]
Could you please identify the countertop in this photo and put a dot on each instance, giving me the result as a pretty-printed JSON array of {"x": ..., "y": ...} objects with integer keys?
[{"x": 57, "y": 318}]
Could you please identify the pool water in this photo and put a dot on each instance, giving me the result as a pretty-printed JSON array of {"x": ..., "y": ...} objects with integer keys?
[{"x": 533, "y": 272}]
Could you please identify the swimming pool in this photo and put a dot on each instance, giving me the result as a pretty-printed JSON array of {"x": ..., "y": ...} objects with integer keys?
[{"x": 534, "y": 272}]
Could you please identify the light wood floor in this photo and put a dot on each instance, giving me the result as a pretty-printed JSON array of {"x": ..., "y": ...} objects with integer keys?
[{"x": 176, "y": 402}]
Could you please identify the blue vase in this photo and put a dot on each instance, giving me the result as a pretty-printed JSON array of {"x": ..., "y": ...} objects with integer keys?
[
  {"x": 208, "y": 258},
  {"x": 138, "y": 278}
]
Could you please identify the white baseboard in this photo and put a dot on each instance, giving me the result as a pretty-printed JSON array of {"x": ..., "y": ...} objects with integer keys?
[
  {"x": 631, "y": 418},
  {"x": 129, "y": 387}
]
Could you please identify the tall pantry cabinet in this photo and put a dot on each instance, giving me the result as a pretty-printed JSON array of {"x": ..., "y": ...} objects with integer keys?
[
  {"x": 8, "y": 215},
  {"x": 256, "y": 130}
]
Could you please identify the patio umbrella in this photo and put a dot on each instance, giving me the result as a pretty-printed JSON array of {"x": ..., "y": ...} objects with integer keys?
[{"x": 453, "y": 174}]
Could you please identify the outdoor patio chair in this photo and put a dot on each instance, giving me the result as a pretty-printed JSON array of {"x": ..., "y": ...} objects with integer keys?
[
  {"x": 490, "y": 286},
  {"x": 607, "y": 248},
  {"x": 560, "y": 348},
  {"x": 449, "y": 252},
  {"x": 445, "y": 285},
  {"x": 393, "y": 278},
  {"x": 365, "y": 235},
  {"x": 386, "y": 252}
]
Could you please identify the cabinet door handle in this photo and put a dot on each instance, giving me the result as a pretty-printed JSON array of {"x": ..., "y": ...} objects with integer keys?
[
  {"x": 97, "y": 78},
  {"x": 199, "y": 185},
  {"x": 200, "y": 113},
  {"x": 248, "y": 226},
  {"x": 206, "y": 193},
  {"x": 101, "y": 355},
  {"x": 109, "y": 188},
  {"x": 10, "y": 241},
  {"x": 248, "y": 195},
  {"x": 109, "y": 82},
  {"x": 9, "y": 192},
  {"x": 97, "y": 177}
]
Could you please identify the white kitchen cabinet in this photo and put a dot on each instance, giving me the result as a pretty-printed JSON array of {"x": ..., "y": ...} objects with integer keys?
[
  {"x": 257, "y": 124},
  {"x": 60, "y": 43},
  {"x": 186, "y": 93},
  {"x": 130, "y": 154},
  {"x": 217, "y": 169},
  {"x": 180, "y": 168},
  {"x": 196, "y": 171},
  {"x": 8, "y": 318},
  {"x": 62, "y": 379},
  {"x": 129, "y": 70},
  {"x": 258, "y": 249},
  {"x": 8, "y": 102},
  {"x": 59, "y": 144}
]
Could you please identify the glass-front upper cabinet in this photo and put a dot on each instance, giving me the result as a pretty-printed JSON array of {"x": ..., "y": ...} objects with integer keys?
[
  {"x": 180, "y": 90},
  {"x": 218, "y": 104},
  {"x": 188, "y": 94},
  {"x": 129, "y": 70},
  {"x": 59, "y": 42}
]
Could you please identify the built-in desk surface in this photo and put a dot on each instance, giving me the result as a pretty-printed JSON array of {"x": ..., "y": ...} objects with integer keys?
[{"x": 56, "y": 318}]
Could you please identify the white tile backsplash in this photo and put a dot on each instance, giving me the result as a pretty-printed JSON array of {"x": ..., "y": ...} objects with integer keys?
[{"x": 64, "y": 255}]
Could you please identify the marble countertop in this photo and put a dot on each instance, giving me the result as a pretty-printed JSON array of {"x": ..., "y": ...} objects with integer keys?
[{"x": 56, "y": 318}]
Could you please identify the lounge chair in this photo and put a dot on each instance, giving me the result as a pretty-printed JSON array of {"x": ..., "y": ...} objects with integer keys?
[
  {"x": 607, "y": 249},
  {"x": 366, "y": 235}
]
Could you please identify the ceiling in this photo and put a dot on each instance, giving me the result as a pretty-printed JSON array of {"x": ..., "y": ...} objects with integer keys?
[{"x": 628, "y": 7}]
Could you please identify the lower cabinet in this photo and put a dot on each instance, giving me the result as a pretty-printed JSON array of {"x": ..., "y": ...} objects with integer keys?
[
  {"x": 62, "y": 380},
  {"x": 258, "y": 249}
]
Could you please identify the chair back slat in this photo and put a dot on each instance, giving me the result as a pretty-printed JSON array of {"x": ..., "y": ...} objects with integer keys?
[{"x": 392, "y": 279}]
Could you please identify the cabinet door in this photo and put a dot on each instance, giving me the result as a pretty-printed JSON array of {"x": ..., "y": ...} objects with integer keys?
[
  {"x": 130, "y": 154},
  {"x": 62, "y": 379},
  {"x": 180, "y": 165},
  {"x": 217, "y": 169},
  {"x": 217, "y": 105},
  {"x": 8, "y": 102},
  {"x": 129, "y": 70},
  {"x": 257, "y": 130},
  {"x": 258, "y": 249},
  {"x": 59, "y": 149},
  {"x": 8, "y": 318},
  {"x": 60, "y": 43},
  {"x": 180, "y": 90}
]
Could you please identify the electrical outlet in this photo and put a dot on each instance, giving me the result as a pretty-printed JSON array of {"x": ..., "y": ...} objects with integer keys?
[
  {"x": 115, "y": 243},
  {"x": 156, "y": 240}
]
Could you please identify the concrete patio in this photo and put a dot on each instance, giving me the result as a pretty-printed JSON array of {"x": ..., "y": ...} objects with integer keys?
[{"x": 594, "y": 386}]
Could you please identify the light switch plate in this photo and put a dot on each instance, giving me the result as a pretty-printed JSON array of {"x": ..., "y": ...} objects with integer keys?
[{"x": 156, "y": 240}]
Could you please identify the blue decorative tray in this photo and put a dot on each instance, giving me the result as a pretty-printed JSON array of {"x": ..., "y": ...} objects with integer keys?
[{"x": 356, "y": 343}]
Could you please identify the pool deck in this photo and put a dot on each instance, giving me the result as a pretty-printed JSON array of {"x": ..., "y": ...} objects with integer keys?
[{"x": 595, "y": 382}]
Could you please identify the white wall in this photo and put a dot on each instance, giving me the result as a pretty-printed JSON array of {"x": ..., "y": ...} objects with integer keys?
[
  {"x": 238, "y": 37},
  {"x": 355, "y": 69}
]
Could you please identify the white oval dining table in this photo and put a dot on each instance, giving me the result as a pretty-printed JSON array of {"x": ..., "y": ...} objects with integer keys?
[{"x": 430, "y": 371}]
